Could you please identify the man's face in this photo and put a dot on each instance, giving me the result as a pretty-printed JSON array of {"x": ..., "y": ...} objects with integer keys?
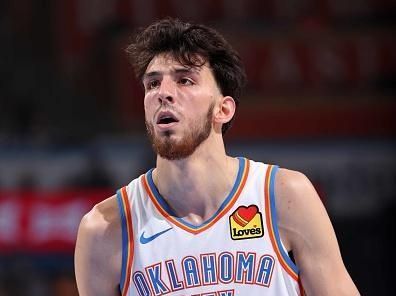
[{"x": 179, "y": 104}]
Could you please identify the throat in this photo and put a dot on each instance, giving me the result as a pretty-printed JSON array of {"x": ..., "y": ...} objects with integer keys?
[
  {"x": 192, "y": 205},
  {"x": 196, "y": 219},
  {"x": 195, "y": 195}
]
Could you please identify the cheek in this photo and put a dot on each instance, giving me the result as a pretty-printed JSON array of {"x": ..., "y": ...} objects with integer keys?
[
  {"x": 148, "y": 103},
  {"x": 202, "y": 102},
  {"x": 148, "y": 110}
]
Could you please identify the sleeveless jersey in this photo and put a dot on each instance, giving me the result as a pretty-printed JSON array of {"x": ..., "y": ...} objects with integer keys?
[{"x": 237, "y": 251}]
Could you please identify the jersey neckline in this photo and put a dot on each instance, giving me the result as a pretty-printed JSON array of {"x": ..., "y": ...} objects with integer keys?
[{"x": 166, "y": 211}]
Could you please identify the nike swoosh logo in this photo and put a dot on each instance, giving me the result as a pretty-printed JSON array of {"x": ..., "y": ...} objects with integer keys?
[{"x": 145, "y": 240}]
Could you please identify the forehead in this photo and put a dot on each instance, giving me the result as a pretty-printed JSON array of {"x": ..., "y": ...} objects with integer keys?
[{"x": 166, "y": 63}]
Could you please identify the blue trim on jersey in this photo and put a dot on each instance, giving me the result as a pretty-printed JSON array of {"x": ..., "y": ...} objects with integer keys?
[
  {"x": 168, "y": 209},
  {"x": 124, "y": 239},
  {"x": 285, "y": 256}
]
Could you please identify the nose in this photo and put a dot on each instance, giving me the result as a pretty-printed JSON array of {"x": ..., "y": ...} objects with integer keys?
[{"x": 166, "y": 92}]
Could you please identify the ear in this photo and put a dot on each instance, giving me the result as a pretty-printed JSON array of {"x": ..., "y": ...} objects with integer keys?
[{"x": 225, "y": 111}]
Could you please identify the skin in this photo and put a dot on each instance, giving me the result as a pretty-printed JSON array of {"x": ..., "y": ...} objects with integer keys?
[{"x": 304, "y": 225}]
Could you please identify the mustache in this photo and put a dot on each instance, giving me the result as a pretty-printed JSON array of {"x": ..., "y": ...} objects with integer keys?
[{"x": 166, "y": 108}]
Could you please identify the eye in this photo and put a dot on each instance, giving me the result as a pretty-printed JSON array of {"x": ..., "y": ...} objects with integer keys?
[
  {"x": 186, "y": 81},
  {"x": 152, "y": 84}
]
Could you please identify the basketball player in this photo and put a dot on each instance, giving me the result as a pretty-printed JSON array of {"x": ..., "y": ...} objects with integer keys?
[{"x": 202, "y": 222}]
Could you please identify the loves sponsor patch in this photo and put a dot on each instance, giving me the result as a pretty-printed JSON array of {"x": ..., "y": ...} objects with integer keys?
[{"x": 246, "y": 222}]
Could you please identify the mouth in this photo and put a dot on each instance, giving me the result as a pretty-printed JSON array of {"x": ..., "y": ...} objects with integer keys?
[{"x": 166, "y": 119}]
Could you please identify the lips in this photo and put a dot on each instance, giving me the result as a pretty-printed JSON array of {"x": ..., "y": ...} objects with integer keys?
[{"x": 166, "y": 118}]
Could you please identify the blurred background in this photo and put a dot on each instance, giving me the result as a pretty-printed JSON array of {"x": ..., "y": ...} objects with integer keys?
[{"x": 320, "y": 99}]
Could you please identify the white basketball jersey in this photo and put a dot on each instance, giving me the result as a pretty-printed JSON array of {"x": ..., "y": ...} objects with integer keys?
[{"x": 237, "y": 251}]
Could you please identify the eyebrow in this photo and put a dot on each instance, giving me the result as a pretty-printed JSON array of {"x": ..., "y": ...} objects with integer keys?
[
  {"x": 176, "y": 71},
  {"x": 150, "y": 74}
]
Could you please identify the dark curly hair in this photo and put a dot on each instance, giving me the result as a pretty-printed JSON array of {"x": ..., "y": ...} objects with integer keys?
[{"x": 192, "y": 45}]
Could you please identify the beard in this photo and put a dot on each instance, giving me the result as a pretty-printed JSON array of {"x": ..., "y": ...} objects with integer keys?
[{"x": 172, "y": 149}]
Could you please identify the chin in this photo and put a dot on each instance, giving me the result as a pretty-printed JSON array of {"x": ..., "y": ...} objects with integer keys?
[{"x": 167, "y": 135}]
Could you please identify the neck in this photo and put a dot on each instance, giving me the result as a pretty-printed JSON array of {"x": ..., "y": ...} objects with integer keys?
[{"x": 196, "y": 186}]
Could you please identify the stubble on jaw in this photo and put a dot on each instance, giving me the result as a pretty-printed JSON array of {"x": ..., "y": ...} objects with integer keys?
[{"x": 170, "y": 149}]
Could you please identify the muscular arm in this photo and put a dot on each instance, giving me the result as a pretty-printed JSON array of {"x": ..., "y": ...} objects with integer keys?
[
  {"x": 305, "y": 228},
  {"x": 98, "y": 251}
]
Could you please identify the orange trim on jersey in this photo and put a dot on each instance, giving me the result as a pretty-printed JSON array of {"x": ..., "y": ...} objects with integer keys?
[
  {"x": 270, "y": 226},
  {"x": 198, "y": 230},
  {"x": 300, "y": 286},
  {"x": 128, "y": 218}
]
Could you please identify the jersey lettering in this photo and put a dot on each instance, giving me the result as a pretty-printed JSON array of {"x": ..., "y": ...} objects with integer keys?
[
  {"x": 175, "y": 283},
  {"x": 154, "y": 275},
  {"x": 264, "y": 274},
  {"x": 209, "y": 271},
  {"x": 245, "y": 268},
  {"x": 245, "y": 264},
  {"x": 191, "y": 273},
  {"x": 141, "y": 284}
]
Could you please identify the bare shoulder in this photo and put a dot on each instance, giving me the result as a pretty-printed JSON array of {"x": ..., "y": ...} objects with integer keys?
[
  {"x": 98, "y": 250},
  {"x": 296, "y": 197},
  {"x": 100, "y": 228},
  {"x": 292, "y": 184},
  {"x": 305, "y": 228},
  {"x": 102, "y": 217},
  {"x": 298, "y": 207},
  {"x": 301, "y": 213}
]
